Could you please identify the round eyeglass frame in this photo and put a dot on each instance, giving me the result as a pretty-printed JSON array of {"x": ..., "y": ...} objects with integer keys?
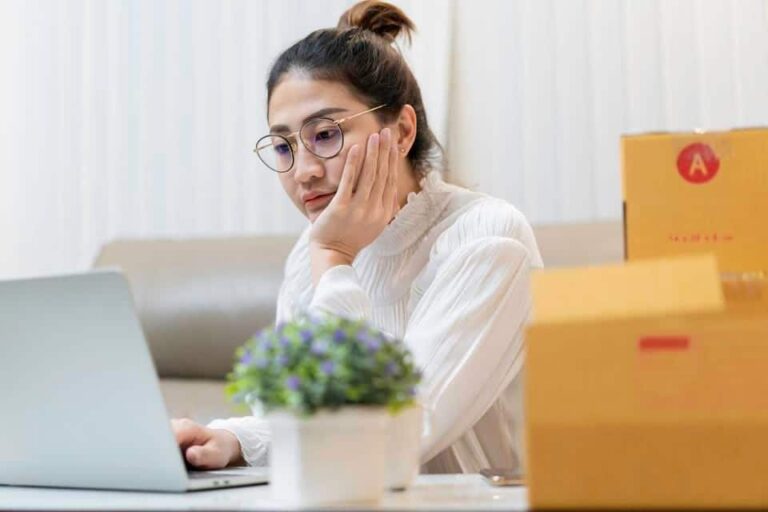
[{"x": 297, "y": 136}]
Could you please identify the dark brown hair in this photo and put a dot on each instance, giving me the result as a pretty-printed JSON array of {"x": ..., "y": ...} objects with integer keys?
[{"x": 360, "y": 54}]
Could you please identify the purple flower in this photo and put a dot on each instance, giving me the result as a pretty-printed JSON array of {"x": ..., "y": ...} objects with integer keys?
[
  {"x": 306, "y": 335},
  {"x": 412, "y": 391},
  {"x": 282, "y": 360},
  {"x": 246, "y": 358},
  {"x": 265, "y": 343},
  {"x": 391, "y": 369},
  {"x": 292, "y": 382},
  {"x": 327, "y": 367},
  {"x": 285, "y": 341},
  {"x": 373, "y": 344},
  {"x": 319, "y": 347},
  {"x": 339, "y": 336}
]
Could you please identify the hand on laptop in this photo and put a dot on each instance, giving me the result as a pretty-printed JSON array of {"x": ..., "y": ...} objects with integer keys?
[{"x": 206, "y": 448}]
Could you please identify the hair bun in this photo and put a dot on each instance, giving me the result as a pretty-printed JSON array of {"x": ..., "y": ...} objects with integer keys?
[{"x": 381, "y": 18}]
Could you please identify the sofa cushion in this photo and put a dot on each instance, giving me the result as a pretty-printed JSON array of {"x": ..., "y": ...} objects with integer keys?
[
  {"x": 199, "y": 299},
  {"x": 568, "y": 245}
]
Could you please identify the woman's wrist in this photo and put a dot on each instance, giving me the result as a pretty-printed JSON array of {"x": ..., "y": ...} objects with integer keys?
[{"x": 324, "y": 258}]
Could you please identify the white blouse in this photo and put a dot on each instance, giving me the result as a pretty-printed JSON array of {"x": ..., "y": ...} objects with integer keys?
[{"x": 450, "y": 277}]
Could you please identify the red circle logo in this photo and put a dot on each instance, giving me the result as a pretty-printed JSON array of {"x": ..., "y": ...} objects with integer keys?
[{"x": 697, "y": 163}]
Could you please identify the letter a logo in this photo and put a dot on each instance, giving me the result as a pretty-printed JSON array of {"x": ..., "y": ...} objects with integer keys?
[{"x": 697, "y": 163}]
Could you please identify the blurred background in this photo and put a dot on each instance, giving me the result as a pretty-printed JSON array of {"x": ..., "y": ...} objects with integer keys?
[{"x": 136, "y": 119}]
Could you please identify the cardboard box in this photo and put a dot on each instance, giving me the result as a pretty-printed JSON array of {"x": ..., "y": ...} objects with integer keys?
[
  {"x": 698, "y": 192},
  {"x": 644, "y": 390}
]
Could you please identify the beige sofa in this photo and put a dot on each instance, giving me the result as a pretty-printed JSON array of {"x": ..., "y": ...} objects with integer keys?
[{"x": 200, "y": 299}]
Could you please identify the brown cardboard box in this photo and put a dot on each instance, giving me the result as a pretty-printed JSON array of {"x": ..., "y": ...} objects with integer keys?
[
  {"x": 698, "y": 192},
  {"x": 645, "y": 390}
]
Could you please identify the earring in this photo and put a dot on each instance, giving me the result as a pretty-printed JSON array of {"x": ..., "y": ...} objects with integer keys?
[{"x": 402, "y": 150}]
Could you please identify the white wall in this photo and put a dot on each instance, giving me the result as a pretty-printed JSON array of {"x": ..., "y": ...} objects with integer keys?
[
  {"x": 137, "y": 118},
  {"x": 546, "y": 87}
]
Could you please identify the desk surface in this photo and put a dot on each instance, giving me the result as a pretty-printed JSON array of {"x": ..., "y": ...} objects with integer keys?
[{"x": 430, "y": 492}]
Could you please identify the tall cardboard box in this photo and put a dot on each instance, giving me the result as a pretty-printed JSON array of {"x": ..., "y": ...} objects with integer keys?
[
  {"x": 696, "y": 193},
  {"x": 643, "y": 390},
  {"x": 706, "y": 192}
]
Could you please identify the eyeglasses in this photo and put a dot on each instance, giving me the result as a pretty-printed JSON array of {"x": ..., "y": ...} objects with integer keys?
[{"x": 323, "y": 137}]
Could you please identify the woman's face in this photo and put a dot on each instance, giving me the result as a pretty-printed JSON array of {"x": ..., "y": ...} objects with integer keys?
[{"x": 296, "y": 99}]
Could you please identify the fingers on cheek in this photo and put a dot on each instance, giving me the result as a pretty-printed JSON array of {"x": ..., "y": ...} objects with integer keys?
[
  {"x": 386, "y": 138},
  {"x": 353, "y": 158},
  {"x": 350, "y": 169}
]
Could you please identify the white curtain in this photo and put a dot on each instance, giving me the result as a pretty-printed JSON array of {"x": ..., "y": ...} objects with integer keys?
[
  {"x": 545, "y": 88},
  {"x": 136, "y": 118}
]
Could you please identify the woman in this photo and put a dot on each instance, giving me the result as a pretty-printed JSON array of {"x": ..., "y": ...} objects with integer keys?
[{"x": 439, "y": 266}]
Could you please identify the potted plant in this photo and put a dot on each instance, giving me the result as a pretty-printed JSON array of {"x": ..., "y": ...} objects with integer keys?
[{"x": 330, "y": 387}]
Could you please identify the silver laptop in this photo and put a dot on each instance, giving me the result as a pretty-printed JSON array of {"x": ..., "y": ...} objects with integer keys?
[{"x": 80, "y": 404}]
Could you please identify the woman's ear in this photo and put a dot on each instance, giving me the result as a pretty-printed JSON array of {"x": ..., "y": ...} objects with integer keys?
[{"x": 406, "y": 128}]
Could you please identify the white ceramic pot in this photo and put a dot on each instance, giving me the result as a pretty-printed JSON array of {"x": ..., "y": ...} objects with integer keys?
[
  {"x": 404, "y": 447},
  {"x": 329, "y": 457}
]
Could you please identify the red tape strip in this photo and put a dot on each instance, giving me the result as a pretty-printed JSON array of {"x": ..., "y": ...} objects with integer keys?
[{"x": 664, "y": 343}]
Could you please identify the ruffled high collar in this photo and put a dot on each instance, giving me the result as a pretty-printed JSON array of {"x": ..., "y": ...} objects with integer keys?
[{"x": 416, "y": 217}]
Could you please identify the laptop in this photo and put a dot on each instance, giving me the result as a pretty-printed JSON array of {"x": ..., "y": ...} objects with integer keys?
[{"x": 80, "y": 403}]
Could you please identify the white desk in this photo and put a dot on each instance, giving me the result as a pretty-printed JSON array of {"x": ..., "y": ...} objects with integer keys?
[{"x": 431, "y": 492}]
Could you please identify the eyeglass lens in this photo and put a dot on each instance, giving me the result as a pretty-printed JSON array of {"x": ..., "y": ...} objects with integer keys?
[{"x": 322, "y": 137}]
